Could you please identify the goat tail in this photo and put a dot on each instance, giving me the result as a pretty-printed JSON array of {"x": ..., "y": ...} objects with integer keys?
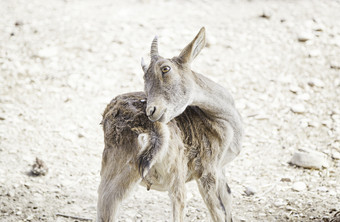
[{"x": 153, "y": 146}]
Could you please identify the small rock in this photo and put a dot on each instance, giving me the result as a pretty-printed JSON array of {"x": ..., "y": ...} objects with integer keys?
[
  {"x": 279, "y": 203},
  {"x": 30, "y": 218},
  {"x": 39, "y": 168},
  {"x": 335, "y": 65},
  {"x": 313, "y": 124},
  {"x": 298, "y": 108},
  {"x": 11, "y": 193},
  {"x": 299, "y": 186},
  {"x": 316, "y": 82},
  {"x": 250, "y": 191},
  {"x": 18, "y": 23},
  {"x": 305, "y": 36},
  {"x": 266, "y": 14},
  {"x": 335, "y": 155},
  {"x": 314, "y": 53},
  {"x": 285, "y": 179},
  {"x": 294, "y": 88},
  {"x": 289, "y": 208},
  {"x": 322, "y": 189},
  {"x": 241, "y": 219},
  {"x": 309, "y": 160}
]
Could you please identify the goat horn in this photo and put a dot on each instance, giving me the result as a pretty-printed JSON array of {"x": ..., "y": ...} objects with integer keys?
[
  {"x": 145, "y": 69},
  {"x": 154, "y": 48}
]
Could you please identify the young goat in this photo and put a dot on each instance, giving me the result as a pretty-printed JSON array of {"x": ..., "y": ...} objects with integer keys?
[{"x": 183, "y": 127}]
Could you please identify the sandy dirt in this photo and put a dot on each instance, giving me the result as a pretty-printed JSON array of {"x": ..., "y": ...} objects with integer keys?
[{"x": 61, "y": 62}]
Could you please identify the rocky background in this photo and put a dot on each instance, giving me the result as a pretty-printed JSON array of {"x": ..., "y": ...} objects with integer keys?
[{"x": 61, "y": 62}]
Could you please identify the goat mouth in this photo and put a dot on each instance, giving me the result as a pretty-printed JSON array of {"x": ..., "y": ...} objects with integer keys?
[{"x": 160, "y": 118}]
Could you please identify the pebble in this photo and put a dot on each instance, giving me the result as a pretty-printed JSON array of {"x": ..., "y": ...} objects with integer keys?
[
  {"x": 335, "y": 65},
  {"x": 138, "y": 215},
  {"x": 299, "y": 186},
  {"x": 30, "y": 218},
  {"x": 335, "y": 155},
  {"x": 316, "y": 82},
  {"x": 322, "y": 189},
  {"x": 305, "y": 36},
  {"x": 294, "y": 88},
  {"x": 298, "y": 108},
  {"x": 289, "y": 208},
  {"x": 279, "y": 203},
  {"x": 250, "y": 191},
  {"x": 266, "y": 14},
  {"x": 313, "y": 124},
  {"x": 286, "y": 179},
  {"x": 309, "y": 160}
]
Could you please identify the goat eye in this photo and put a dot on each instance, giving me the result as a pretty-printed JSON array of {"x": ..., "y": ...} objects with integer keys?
[{"x": 165, "y": 69}]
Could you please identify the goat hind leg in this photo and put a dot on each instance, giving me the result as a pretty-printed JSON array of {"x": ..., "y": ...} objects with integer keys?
[
  {"x": 215, "y": 194},
  {"x": 112, "y": 191},
  {"x": 225, "y": 198}
]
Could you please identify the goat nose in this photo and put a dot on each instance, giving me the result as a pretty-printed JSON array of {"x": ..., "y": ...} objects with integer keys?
[{"x": 150, "y": 110}]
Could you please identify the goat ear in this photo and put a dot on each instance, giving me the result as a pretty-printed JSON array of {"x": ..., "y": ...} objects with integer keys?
[{"x": 189, "y": 53}]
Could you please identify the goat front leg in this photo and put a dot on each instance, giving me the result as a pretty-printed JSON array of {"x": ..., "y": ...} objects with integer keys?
[
  {"x": 112, "y": 190},
  {"x": 216, "y": 195}
]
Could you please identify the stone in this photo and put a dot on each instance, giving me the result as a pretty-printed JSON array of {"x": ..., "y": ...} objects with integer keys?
[
  {"x": 299, "y": 186},
  {"x": 39, "y": 168},
  {"x": 335, "y": 65},
  {"x": 266, "y": 14},
  {"x": 30, "y": 218},
  {"x": 294, "y": 88},
  {"x": 298, "y": 108},
  {"x": 250, "y": 191},
  {"x": 309, "y": 160},
  {"x": 335, "y": 155},
  {"x": 322, "y": 189},
  {"x": 316, "y": 82},
  {"x": 286, "y": 179},
  {"x": 305, "y": 36}
]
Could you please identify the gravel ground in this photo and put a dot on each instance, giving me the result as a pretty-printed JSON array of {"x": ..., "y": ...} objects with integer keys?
[{"x": 61, "y": 62}]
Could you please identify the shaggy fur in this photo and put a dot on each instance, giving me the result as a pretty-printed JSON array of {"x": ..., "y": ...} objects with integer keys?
[{"x": 173, "y": 148}]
